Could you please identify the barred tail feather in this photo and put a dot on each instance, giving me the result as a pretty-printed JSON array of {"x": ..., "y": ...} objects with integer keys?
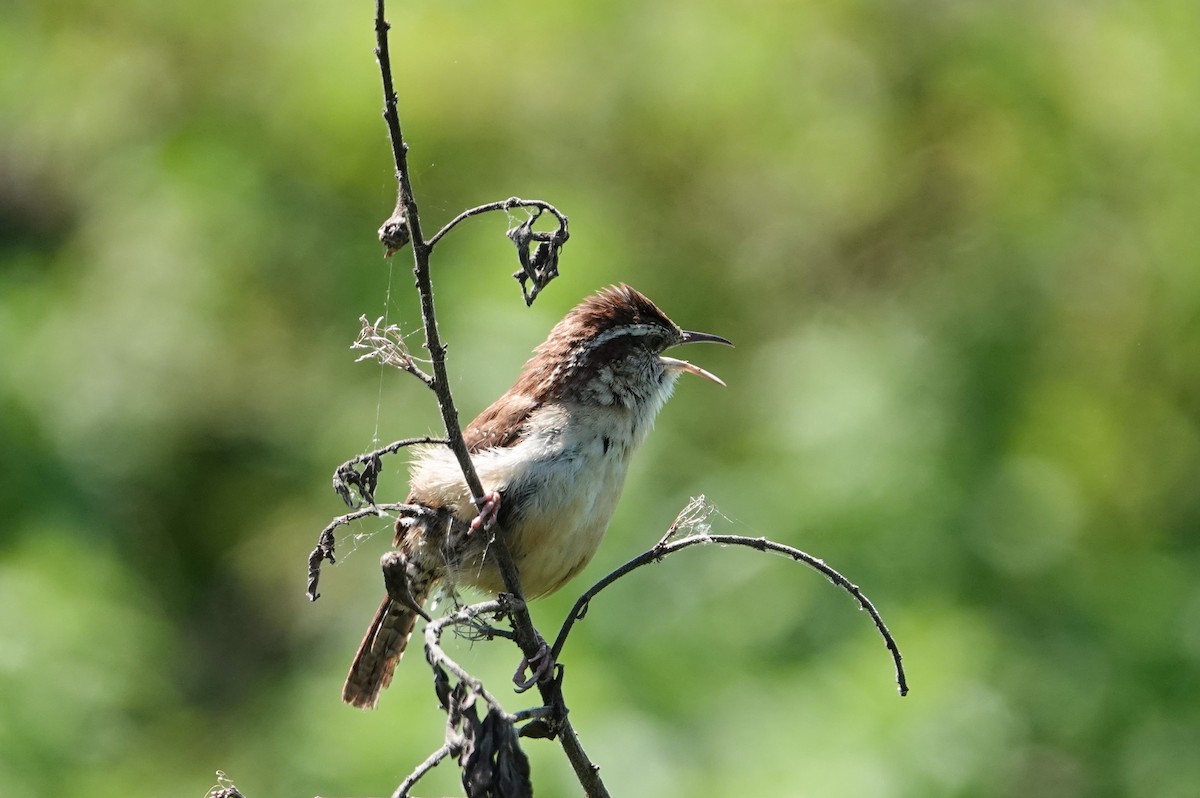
[{"x": 381, "y": 649}]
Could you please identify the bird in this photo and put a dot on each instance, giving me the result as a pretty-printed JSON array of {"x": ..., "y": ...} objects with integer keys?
[{"x": 551, "y": 453}]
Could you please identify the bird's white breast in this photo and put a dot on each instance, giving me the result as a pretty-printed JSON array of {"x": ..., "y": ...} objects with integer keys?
[{"x": 563, "y": 479}]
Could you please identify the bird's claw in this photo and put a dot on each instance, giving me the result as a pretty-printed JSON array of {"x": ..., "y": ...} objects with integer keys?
[
  {"x": 487, "y": 512},
  {"x": 543, "y": 665}
]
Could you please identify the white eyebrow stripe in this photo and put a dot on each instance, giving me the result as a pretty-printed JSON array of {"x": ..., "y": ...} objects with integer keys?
[{"x": 635, "y": 330}]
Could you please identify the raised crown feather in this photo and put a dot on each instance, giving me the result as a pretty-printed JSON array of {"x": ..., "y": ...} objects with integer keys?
[{"x": 614, "y": 308}]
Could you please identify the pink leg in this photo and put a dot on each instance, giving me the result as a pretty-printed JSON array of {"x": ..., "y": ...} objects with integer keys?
[
  {"x": 542, "y": 663},
  {"x": 488, "y": 512}
]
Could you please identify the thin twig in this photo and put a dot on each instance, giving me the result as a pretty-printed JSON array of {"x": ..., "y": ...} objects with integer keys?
[
  {"x": 421, "y": 250},
  {"x": 346, "y": 476},
  {"x": 391, "y": 448},
  {"x": 501, "y": 205},
  {"x": 325, "y": 541},
  {"x": 429, "y": 764},
  {"x": 663, "y": 549},
  {"x": 438, "y": 656}
]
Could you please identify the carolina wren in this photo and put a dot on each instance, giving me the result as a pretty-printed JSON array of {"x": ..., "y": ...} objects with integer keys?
[{"x": 552, "y": 452}]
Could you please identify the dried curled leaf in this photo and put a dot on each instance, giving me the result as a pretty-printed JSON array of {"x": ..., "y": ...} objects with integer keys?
[
  {"x": 489, "y": 750},
  {"x": 493, "y": 764},
  {"x": 540, "y": 266},
  {"x": 365, "y": 481}
]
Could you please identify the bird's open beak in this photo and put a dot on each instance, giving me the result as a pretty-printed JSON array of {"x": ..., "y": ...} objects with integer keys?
[{"x": 691, "y": 368}]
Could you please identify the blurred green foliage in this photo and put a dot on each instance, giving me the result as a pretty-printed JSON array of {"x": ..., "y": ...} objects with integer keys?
[{"x": 956, "y": 244}]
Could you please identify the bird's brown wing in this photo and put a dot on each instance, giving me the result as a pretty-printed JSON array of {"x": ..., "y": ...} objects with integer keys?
[{"x": 502, "y": 424}]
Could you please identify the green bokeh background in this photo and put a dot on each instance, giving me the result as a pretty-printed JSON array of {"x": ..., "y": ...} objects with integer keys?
[{"x": 957, "y": 245}]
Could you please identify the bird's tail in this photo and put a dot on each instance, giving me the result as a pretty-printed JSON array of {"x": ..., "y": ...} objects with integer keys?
[{"x": 382, "y": 647}]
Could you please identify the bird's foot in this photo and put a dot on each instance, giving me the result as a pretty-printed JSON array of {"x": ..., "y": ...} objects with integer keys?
[
  {"x": 542, "y": 663},
  {"x": 488, "y": 512}
]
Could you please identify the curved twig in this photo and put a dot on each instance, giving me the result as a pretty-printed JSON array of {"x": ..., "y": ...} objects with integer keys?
[
  {"x": 664, "y": 548},
  {"x": 501, "y": 205},
  {"x": 325, "y": 542},
  {"x": 391, "y": 448},
  {"x": 429, "y": 764},
  {"x": 346, "y": 477},
  {"x": 437, "y": 656}
]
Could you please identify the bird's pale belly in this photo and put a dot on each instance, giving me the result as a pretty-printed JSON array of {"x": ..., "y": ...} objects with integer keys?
[
  {"x": 560, "y": 485},
  {"x": 567, "y": 502}
]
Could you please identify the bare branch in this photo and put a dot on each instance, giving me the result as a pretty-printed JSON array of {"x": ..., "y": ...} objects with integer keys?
[
  {"x": 346, "y": 476},
  {"x": 438, "y": 657},
  {"x": 666, "y": 546},
  {"x": 419, "y": 772},
  {"x": 502, "y": 205},
  {"x": 538, "y": 267},
  {"x": 421, "y": 252},
  {"x": 325, "y": 542},
  {"x": 527, "y": 636}
]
